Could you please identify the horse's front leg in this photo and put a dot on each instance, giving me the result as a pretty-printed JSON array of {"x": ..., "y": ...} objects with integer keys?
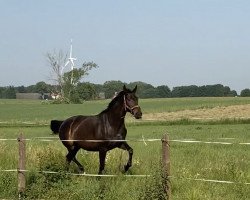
[
  {"x": 125, "y": 146},
  {"x": 102, "y": 157}
]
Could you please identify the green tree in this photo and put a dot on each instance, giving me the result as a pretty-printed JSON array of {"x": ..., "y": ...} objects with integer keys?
[
  {"x": 217, "y": 90},
  {"x": 176, "y": 92},
  {"x": 21, "y": 89},
  {"x": 232, "y": 93},
  {"x": 66, "y": 82},
  {"x": 42, "y": 87},
  {"x": 1, "y": 92},
  {"x": 30, "y": 89},
  {"x": 72, "y": 78},
  {"x": 245, "y": 93},
  {"x": 86, "y": 91},
  {"x": 182, "y": 91},
  {"x": 163, "y": 91},
  {"x": 9, "y": 92},
  {"x": 142, "y": 88},
  {"x": 149, "y": 93},
  {"x": 111, "y": 87}
]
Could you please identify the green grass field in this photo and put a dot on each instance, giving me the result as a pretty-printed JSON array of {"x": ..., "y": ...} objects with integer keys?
[
  {"x": 18, "y": 111},
  {"x": 188, "y": 161}
]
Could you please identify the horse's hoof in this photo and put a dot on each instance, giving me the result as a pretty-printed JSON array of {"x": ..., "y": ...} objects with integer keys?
[
  {"x": 100, "y": 173},
  {"x": 81, "y": 171}
]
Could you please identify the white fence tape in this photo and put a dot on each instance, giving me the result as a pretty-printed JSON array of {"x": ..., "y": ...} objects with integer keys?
[
  {"x": 210, "y": 180},
  {"x": 51, "y": 139},
  {"x": 126, "y": 175},
  {"x": 74, "y": 174},
  {"x": 204, "y": 142}
]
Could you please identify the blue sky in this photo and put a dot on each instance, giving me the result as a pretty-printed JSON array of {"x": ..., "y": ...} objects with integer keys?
[{"x": 163, "y": 42}]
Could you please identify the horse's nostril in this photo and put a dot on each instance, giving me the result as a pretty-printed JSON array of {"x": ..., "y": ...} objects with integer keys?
[{"x": 138, "y": 115}]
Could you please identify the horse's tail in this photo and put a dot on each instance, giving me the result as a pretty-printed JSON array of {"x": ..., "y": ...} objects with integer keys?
[{"x": 55, "y": 126}]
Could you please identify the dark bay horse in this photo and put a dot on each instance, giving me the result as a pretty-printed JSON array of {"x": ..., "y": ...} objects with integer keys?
[{"x": 95, "y": 133}]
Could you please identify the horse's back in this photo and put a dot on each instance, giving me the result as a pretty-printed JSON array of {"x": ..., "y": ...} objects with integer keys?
[
  {"x": 65, "y": 131},
  {"x": 76, "y": 129},
  {"x": 72, "y": 126},
  {"x": 87, "y": 128}
]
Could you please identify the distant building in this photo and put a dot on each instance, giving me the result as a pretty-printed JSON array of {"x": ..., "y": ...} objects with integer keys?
[
  {"x": 28, "y": 96},
  {"x": 101, "y": 95},
  {"x": 34, "y": 96}
]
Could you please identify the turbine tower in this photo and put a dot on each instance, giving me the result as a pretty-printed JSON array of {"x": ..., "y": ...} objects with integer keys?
[{"x": 70, "y": 61}]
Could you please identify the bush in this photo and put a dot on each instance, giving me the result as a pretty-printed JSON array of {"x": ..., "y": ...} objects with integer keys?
[
  {"x": 245, "y": 93},
  {"x": 39, "y": 183}
]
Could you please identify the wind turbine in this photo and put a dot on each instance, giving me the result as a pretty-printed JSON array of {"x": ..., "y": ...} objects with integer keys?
[{"x": 70, "y": 61}]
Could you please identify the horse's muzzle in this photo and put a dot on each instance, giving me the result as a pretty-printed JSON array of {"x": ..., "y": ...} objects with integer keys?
[
  {"x": 137, "y": 113},
  {"x": 138, "y": 116}
]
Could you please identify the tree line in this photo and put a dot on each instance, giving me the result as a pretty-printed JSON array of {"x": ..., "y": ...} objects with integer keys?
[{"x": 88, "y": 91}]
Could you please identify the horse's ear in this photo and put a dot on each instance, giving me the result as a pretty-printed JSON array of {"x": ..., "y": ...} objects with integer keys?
[
  {"x": 134, "y": 90},
  {"x": 124, "y": 88}
]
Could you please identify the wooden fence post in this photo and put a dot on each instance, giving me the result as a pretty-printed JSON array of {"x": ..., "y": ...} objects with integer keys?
[
  {"x": 166, "y": 164},
  {"x": 21, "y": 166}
]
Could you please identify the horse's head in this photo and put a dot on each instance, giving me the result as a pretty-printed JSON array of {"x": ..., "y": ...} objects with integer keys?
[{"x": 131, "y": 102}]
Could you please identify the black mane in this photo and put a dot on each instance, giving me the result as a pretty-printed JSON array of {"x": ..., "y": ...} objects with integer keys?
[{"x": 115, "y": 99}]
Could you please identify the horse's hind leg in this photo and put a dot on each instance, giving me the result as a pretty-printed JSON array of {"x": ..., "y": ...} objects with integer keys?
[
  {"x": 81, "y": 168},
  {"x": 71, "y": 156},
  {"x": 125, "y": 146}
]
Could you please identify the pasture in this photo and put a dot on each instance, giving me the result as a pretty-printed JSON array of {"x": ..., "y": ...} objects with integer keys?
[{"x": 189, "y": 161}]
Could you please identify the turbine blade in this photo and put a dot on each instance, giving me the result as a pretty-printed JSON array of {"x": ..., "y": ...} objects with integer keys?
[{"x": 66, "y": 63}]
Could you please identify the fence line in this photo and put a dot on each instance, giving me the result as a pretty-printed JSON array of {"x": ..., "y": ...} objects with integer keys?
[
  {"x": 75, "y": 174},
  {"x": 52, "y": 139},
  {"x": 210, "y": 180},
  {"x": 22, "y": 159},
  {"x": 165, "y": 142},
  {"x": 127, "y": 175}
]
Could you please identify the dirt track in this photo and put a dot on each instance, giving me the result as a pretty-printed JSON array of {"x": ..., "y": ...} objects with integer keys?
[{"x": 217, "y": 113}]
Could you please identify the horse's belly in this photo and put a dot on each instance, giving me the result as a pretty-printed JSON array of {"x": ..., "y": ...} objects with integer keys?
[{"x": 97, "y": 146}]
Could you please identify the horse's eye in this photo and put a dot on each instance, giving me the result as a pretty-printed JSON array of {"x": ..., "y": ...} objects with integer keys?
[{"x": 129, "y": 96}]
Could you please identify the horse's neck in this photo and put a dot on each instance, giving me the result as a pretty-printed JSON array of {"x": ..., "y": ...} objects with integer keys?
[
  {"x": 113, "y": 121},
  {"x": 116, "y": 114}
]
